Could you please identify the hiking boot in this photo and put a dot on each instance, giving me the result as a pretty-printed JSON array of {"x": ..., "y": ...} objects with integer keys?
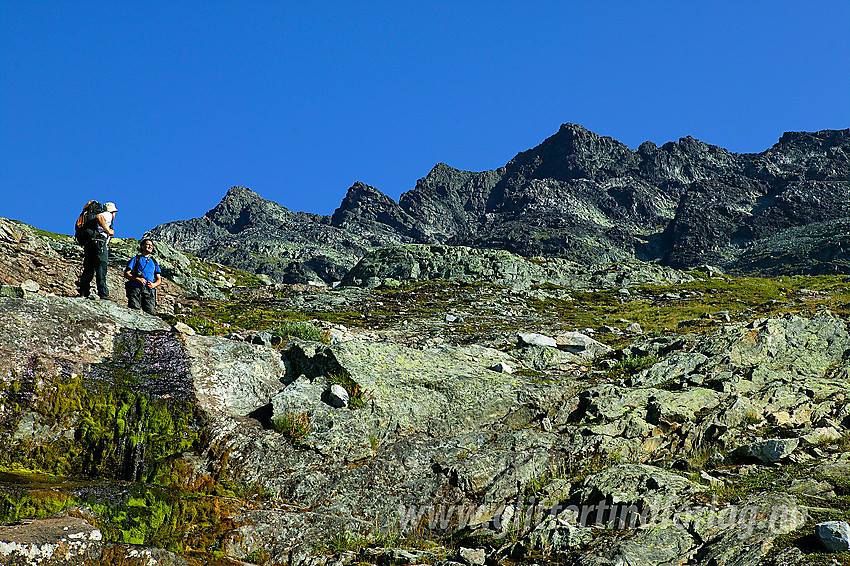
[{"x": 109, "y": 299}]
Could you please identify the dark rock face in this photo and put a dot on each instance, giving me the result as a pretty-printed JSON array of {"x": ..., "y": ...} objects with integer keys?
[
  {"x": 367, "y": 211},
  {"x": 577, "y": 195},
  {"x": 262, "y": 236}
]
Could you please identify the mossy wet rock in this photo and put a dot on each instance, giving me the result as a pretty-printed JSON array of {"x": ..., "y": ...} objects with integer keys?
[
  {"x": 15, "y": 292},
  {"x": 97, "y": 391},
  {"x": 93, "y": 390}
]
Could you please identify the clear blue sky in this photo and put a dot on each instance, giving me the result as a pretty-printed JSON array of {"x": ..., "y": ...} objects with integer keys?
[{"x": 163, "y": 106}]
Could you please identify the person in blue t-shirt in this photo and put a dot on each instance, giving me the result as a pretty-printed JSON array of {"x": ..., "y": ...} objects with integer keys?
[{"x": 143, "y": 275}]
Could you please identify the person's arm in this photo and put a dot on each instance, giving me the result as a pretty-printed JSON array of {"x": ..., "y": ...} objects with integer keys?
[
  {"x": 128, "y": 274},
  {"x": 102, "y": 221},
  {"x": 157, "y": 281}
]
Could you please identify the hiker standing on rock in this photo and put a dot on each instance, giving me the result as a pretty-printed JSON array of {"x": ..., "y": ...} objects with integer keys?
[
  {"x": 143, "y": 277},
  {"x": 96, "y": 254}
]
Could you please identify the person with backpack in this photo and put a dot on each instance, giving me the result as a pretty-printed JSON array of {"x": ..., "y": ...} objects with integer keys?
[
  {"x": 97, "y": 233},
  {"x": 143, "y": 277}
]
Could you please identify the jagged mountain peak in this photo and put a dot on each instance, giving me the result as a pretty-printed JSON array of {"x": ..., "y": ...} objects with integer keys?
[
  {"x": 823, "y": 139},
  {"x": 357, "y": 192},
  {"x": 573, "y": 152},
  {"x": 242, "y": 208},
  {"x": 442, "y": 175},
  {"x": 365, "y": 206},
  {"x": 240, "y": 191},
  {"x": 693, "y": 146},
  {"x": 362, "y": 197},
  {"x": 574, "y": 138}
]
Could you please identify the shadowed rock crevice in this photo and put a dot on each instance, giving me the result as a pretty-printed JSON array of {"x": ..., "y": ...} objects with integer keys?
[{"x": 263, "y": 415}]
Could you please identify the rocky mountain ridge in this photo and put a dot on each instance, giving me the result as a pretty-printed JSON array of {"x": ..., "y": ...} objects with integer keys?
[{"x": 578, "y": 196}]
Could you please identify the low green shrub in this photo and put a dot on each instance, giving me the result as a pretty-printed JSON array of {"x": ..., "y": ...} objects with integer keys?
[
  {"x": 294, "y": 427},
  {"x": 302, "y": 330},
  {"x": 631, "y": 366}
]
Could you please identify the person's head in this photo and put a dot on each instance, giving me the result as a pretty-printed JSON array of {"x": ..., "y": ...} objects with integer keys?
[
  {"x": 146, "y": 246},
  {"x": 110, "y": 207}
]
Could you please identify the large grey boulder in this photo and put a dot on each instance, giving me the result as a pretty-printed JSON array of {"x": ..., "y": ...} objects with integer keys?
[
  {"x": 768, "y": 451},
  {"x": 640, "y": 485},
  {"x": 438, "y": 390},
  {"x": 582, "y": 345},
  {"x": 834, "y": 535},
  {"x": 233, "y": 378},
  {"x": 536, "y": 339}
]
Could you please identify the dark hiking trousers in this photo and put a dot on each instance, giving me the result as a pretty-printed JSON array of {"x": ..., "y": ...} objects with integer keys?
[
  {"x": 141, "y": 297},
  {"x": 95, "y": 262}
]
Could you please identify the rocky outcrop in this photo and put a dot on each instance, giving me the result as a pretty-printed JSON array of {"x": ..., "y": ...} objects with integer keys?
[
  {"x": 370, "y": 213},
  {"x": 786, "y": 371},
  {"x": 577, "y": 196},
  {"x": 418, "y": 262},
  {"x": 260, "y": 236}
]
